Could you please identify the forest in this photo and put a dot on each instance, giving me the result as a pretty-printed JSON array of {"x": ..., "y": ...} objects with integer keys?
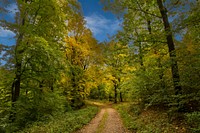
[{"x": 149, "y": 70}]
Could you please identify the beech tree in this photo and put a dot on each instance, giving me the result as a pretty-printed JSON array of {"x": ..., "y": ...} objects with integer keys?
[
  {"x": 37, "y": 59},
  {"x": 171, "y": 47},
  {"x": 147, "y": 28},
  {"x": 81, "y": 49}
]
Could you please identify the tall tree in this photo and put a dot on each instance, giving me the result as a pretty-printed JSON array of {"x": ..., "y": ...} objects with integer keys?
[
  {"x": 171, "y": 47},
  {"x": 40, "y": 28},
  {"x": 145, "y": 15},
  {"x": 81, "y": 48}
]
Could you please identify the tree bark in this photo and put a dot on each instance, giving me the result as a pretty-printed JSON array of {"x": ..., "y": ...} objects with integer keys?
[
  {"x": 18, "y": 65},
  {"x": 16, "y": 86},
  {"x": 16, "y": 91},
  {"x": 121, "y": 98},
  {"x": 115, "y": 100},
  {"x": 18, "y": 52},
  {"x": 171, "y": 48},
  {"x": 141, "y": 55},
  {"x": 149, "y": 26}
]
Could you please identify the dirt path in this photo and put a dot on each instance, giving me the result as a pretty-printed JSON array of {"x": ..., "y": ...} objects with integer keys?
[{"x": 106, "y": 121}]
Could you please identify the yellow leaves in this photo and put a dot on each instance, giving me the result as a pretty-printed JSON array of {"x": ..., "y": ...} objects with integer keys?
[
  {"x": 110, "y": 77},
  {"x": 130, "y": 69},
  {"x": 80, "y": 52},
  {"x": 71, "y": 41},
  {"x": 189, "y": 44},
  {"x": 122, "y": 55},
  {"x": 77, "y": 51},
  {"x": 63, "y": 80},
  {"x": 191, "y": 48}
]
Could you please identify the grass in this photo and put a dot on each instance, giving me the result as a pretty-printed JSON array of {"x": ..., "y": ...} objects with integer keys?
[
  {"x": 128, "y": 120},
  {"x": 64, "y": 123},
  {"x": 151, "y": 120}
]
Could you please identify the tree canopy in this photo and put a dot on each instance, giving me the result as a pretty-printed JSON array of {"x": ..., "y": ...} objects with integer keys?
[{"x": 57, "y": 63}]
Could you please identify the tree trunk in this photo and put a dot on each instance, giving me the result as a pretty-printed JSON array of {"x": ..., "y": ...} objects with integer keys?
[
  {"x": 171, "y": 48},
  {"x": 18, "y": 53},
  {"x": 18, "y": 65},
  {"x": 149, "y": 26},
  {"x": 17, "y": 82},
  {"x": 141, "y": 55},
  {"x": 115, "y": 93},
  {"x": 121, "y": 98},
  {"x": 16, "y": 86}
]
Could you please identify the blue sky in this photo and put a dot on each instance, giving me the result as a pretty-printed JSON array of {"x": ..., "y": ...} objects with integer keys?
[
  {"x": 6, "y": 36},
  {"x": 101, "y": 23}
]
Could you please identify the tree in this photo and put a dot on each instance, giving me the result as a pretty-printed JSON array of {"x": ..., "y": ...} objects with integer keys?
[
  {"x": 148, "y": 30},
  {"x": 40, "y": 28},
  {"x": 81, "y": 49},
  {"x": 171, "y": 47},
  {"x": 116, "y": 55}
]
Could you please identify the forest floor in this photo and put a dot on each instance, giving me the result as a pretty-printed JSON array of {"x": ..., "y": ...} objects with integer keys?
[{"x": 106, "y": 121}]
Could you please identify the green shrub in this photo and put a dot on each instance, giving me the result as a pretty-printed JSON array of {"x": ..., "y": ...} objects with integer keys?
[
  {"x": 38, "y": 106},
  {"x": 2, "y": 130},
  {"x": 136, "y": 109},
  {"x": 63, "y": 123},
  {"x": 193, "y": 120},
  {"x": 148, "y": 120},
  {"x": 128, "y": 120}
]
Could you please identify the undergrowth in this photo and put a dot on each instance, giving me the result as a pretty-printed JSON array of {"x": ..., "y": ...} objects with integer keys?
[
  {"x": 63, "y": 123},
  {"x": 152, "y": 120}
]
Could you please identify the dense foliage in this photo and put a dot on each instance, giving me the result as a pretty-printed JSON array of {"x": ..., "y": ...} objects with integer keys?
[
  {"x": 47, "y": 70},
  {"x": 163, "y": 38},
  {"x": 56, "y": 62},
  {"x": 64, "y": 123}
]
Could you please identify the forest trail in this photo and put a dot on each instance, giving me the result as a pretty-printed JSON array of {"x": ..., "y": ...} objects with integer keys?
[{"x": 106, "y": 121}]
